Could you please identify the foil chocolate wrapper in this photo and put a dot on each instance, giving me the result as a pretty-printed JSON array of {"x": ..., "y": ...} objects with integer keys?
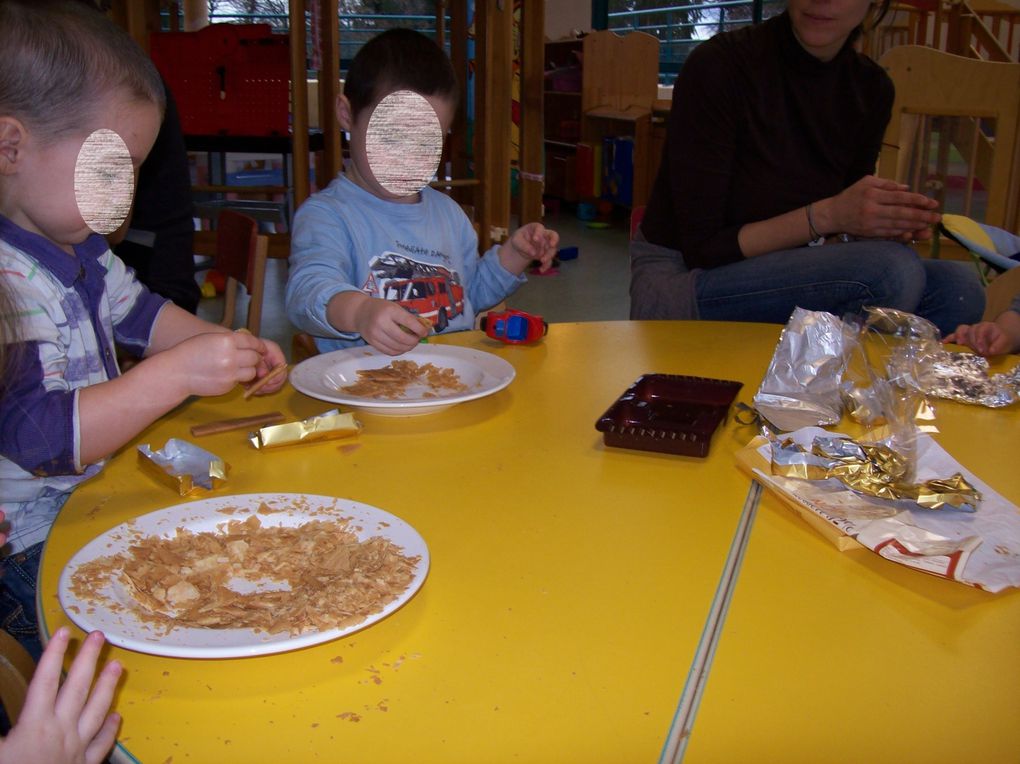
[
  {"x": 802, "y": 384},
  {"x": 183, "y": 467},
  {"x": 965, "y": 377},
  {"x": 330, "y": 425},
  {"x": 872, "y": 469}
]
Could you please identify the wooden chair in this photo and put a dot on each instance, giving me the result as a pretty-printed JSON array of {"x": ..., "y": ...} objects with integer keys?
[
  {"x": 1000, "y": 293},
  {"x": 302, "y": 346},
  {"x": 241, "y": 259},
  {"x": 16, "y": 669},
  {"x": 637, "y": 214},
  {"x": 946, "y": 102}
]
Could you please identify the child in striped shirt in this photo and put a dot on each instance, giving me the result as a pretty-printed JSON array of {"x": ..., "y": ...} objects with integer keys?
[{"x": 80, "y": 106}]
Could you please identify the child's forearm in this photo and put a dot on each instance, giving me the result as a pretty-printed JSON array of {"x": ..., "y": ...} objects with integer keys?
[
  {"x": 174, "y": 325},
  {"x": 512, "y": 259},
  {"x": 1009, "y": 322},
  {"x": 342, "y": 309},
  {"x": 112, "y": 413}
]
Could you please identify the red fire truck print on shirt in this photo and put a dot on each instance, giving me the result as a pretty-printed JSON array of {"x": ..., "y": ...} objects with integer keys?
[{"x": 430, "y": 291}]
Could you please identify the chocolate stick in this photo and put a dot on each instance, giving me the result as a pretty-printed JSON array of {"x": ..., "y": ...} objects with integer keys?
[
  {"x": 225, "y": 425},
  {"x": 275, "y": 372}
]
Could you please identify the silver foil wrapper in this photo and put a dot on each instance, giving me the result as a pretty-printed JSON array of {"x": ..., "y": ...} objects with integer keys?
[
  {"x": 183, "y": 466},
  {"x": 965, "y": 377},
  {"x": 802, "y": 384}
]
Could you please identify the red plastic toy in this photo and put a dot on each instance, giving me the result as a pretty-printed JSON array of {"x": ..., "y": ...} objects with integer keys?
[{"x": 514, "y": 327}]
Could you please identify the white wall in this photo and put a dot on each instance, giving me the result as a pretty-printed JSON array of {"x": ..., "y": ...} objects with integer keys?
[{"x": 563, "y": 16}]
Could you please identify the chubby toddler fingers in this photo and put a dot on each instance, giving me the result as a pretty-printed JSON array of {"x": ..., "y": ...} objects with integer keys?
[
  {"x": 42, "y": 691},
  {"x": 75, "y": 691},
  {"x": 96, "y": 710},
  {"x": 101, "y": 744}
]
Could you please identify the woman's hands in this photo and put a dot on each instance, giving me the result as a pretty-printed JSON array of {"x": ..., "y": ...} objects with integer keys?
[{"x": 877, "y": 209}]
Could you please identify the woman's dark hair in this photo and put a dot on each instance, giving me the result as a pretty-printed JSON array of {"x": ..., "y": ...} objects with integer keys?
[
  {"x": 399, "y": 59},
  {"x": 876, "y": 12},
  {"x": 60, "y": 58}
]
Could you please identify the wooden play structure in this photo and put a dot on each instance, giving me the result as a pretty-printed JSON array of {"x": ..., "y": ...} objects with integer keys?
[
  {"x": 480, "y": 173},
  {"x": 955, "y": 124}
]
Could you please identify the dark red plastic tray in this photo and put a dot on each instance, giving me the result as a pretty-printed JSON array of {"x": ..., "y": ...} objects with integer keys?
[{"x": 671, "y": 413}]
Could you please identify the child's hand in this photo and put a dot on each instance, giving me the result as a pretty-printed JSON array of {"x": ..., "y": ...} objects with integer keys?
[
  {"x": 272, "y": 358},
  {"x": 211, "y": 364},
  {"x": 68, "y": 724},
  {"x": 388, "y": 327},
  {"x": 986, "y": 338},
  {"x": 531, "y": 242}
]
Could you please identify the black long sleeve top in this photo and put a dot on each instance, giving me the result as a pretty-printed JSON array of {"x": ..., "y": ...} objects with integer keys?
[{"x": 759, "y": 127}]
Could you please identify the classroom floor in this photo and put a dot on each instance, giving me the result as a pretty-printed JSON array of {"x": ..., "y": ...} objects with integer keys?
[{"x": 593, "y": 287}]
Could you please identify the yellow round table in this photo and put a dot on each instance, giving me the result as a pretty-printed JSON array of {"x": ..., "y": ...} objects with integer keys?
[{"x": 569, "y": 589}]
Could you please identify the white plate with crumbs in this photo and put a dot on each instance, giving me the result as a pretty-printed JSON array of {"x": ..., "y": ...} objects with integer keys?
[
  {"x": 425, "y": 380},
  {"x": 245, "y": 575}
]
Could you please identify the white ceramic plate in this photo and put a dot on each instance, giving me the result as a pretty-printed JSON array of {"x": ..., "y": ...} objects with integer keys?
[
  {"x": 124, "y": 630},
  {"x": 322, "y": 376}
]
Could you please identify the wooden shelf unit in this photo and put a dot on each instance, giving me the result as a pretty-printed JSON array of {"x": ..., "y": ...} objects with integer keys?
[
  {"x": 614, "y": 97},
  {"x": 620, "y": 86},
  {"x": 562, "y": 118}
]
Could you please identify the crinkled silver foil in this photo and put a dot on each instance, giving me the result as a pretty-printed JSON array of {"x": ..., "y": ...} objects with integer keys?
[
  {"x": 964, "y": 377},
  {"x": 801, "y": 386},
  {"x": 183, "y": 466}
]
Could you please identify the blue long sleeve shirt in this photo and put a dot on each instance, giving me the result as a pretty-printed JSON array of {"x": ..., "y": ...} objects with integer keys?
[{"x": 423, "y": 256}]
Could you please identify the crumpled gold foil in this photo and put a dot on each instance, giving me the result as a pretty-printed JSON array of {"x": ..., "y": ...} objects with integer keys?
[
  {"x": 329, "y": 425},
  {"x": 184, "y": 467},
  {"x": 872, "y": 469}
]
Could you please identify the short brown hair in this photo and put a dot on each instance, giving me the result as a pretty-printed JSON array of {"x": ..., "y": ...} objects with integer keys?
[
  {"x": 399, "y": 59},
  {"x": 60, "y": 58}
]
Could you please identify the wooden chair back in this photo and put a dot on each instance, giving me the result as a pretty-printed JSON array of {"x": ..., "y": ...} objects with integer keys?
[
  {"x": 16, "y": 669},
  {"x": 241, "y": 258},
  {"x": 1000, "y": 293},
  {"x": 302, "y": 346},
  {"x": 954, "y": 132}
]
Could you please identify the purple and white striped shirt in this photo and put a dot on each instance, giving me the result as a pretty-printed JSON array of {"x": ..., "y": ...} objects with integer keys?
[{"x": 70, "y": 312}]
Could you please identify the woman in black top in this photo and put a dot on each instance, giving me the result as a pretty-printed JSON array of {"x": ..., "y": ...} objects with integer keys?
[{"x": 774, "y": 132}]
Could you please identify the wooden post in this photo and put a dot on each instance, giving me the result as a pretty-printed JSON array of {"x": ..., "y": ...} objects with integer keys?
[
  {"x": 329, "y": 88},
  {"x": 298, "y": 102},
  {"x": 196, "y": 15},
  {"x": 532, "y": 179},
  {"x": 441, "y": 23},
  {"x": 494, "y": 25},
  {"x": 139, "y": 19},
  {"x": 458, "y": 146}
]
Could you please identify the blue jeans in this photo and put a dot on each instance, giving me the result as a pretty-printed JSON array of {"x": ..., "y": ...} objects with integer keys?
[
  {"x": 841, "y": 279},
  {"x": 838, "y": 278},
  {"x": 19, "y": 575}
]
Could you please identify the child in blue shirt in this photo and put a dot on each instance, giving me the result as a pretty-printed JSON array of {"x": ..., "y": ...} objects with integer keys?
[
  {"x": 378, "y": 256},
  {"x": 80, "y": 106}
]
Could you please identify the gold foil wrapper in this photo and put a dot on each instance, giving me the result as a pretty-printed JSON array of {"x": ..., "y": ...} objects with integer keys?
[
  {"x": 871, "y": 469},
  {"x": 183, "y": 467},
  {"x": 326, "y": 426}
]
